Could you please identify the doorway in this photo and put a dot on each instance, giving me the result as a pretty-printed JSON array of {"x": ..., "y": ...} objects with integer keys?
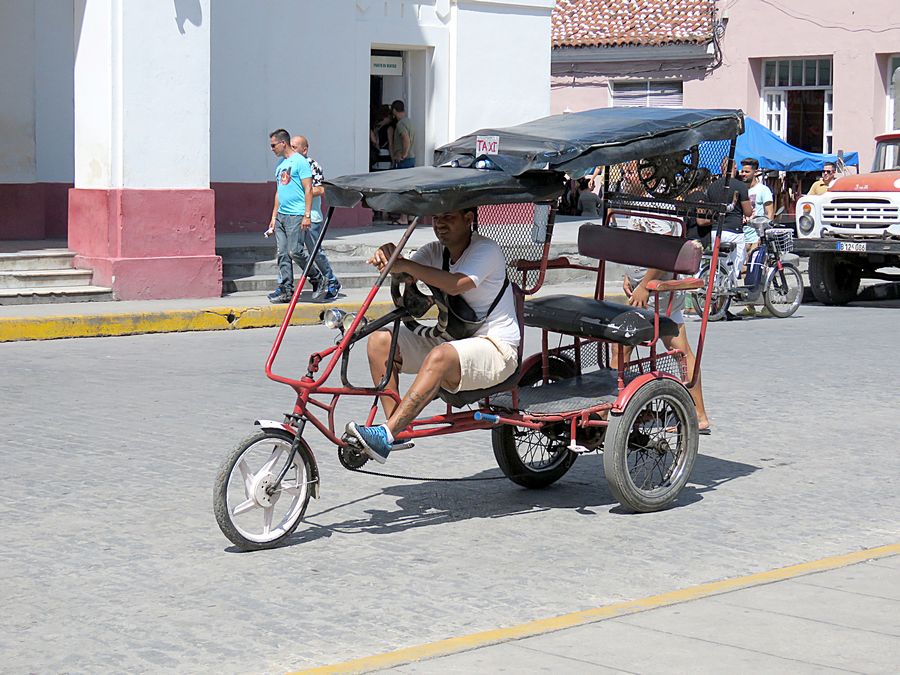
[{"x": 805, "y": 116}]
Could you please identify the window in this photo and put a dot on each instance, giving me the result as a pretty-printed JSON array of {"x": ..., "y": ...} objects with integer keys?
[
  {"x": 892, "y": 99},
  {"x": 647, "y": 94},
  {"x": 797, "y": 102},
  {"x": 797, "y": 73}
]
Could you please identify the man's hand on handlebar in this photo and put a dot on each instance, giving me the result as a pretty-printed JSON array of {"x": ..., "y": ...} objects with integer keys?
[{"x": 381, "y": 257}]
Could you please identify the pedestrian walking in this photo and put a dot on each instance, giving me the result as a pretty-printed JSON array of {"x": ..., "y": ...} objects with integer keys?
[
  {"x": 329, "y": 290},
  {"x": 292, "y": 210}
]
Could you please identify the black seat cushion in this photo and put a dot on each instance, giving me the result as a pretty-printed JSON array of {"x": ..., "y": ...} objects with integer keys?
[
  {"x": 596, "y": 318},
  {"x": 464, "y": 398}
]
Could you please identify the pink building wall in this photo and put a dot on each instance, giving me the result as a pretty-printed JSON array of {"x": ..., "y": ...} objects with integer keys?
[{"x": 859, "y": 38}]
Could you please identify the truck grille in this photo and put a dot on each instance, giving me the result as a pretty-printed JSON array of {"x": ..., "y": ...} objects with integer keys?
[{"x": 860, "y": 213}]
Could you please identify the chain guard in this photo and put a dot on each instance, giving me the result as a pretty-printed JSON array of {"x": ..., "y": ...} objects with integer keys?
[{"x": 670, "y": 176}]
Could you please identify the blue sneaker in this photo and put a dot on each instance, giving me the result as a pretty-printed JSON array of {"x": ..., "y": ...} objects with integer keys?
[
  {"x": 334, "y": 290},
  {"x": 374, "y": 440},
  {"x": 277, "y": 293}
]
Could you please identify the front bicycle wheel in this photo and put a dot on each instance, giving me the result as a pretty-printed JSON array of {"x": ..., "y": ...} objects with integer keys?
[
  {"x": 720, "y": 300},
  {"x": 784, "y": 291},
  {"x": 251, "y": 510}
]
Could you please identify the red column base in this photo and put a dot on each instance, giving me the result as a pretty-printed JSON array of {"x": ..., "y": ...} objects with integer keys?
[{"x": 147, "y": 244}]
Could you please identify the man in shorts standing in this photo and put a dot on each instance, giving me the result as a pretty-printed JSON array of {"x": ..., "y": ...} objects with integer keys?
[
  {"x": 636, "y": 279},
  {"x": 477, "y": 272},
  {"x": 292, "y": 210}
]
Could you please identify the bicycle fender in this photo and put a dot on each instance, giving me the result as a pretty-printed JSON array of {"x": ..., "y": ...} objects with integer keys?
[
  {"x": 271, "y": 424},
  {"x": 773, "y": 271},
  {"x": 314, "y": 466},
  {"x": 634, "y": 386}
]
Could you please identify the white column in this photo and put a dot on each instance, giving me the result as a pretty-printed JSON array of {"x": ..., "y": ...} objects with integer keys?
[
  {"x": 142, "y": 94},
  {"x": 142, "y": 215}
]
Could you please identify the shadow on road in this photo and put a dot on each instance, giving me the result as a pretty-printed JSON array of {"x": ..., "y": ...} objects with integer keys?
[{"x": 432, "y": 502}]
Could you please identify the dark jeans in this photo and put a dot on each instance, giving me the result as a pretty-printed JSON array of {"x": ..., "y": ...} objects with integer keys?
[
  {"x": 407, "y": 163},
  {"x": 295, "y": 244}
]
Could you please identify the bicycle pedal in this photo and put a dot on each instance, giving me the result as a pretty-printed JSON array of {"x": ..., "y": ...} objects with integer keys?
[{"x": 402, "y": 446}]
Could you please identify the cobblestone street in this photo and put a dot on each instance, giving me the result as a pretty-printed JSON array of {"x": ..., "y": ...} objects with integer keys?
[{"x": 113, "y": 560}]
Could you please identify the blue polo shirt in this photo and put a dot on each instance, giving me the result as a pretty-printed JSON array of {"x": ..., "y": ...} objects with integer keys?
[{"x": 288, "y": 174}]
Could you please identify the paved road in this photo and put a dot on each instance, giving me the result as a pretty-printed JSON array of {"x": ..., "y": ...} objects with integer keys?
[{"x": 112, "y": 558}]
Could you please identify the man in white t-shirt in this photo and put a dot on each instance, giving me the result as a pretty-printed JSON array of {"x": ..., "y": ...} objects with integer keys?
[
  {"x": 477, "y": 272},
  {"x": 761, "y": 200}
]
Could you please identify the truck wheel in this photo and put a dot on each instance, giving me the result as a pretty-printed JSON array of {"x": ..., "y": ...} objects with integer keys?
[{"x": 834, "y": 280}]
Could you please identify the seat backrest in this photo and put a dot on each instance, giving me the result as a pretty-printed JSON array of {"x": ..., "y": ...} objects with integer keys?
[{"x": 642, "y": 249}]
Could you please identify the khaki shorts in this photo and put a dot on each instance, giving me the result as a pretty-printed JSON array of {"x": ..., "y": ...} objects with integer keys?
[{"x": 483, "y": 361}]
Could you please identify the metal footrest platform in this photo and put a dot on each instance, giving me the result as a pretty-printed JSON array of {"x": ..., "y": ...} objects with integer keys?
[{"x": 576, "y": 393}]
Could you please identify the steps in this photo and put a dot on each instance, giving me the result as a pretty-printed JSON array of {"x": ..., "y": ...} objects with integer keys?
[
  {"x": 248, "y": 266},
  {"x": 44, "y": 275},
  {"x": 251, "y": 267}
]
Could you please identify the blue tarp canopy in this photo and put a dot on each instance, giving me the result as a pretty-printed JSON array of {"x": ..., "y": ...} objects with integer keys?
[{"x": 774, "y": 153}]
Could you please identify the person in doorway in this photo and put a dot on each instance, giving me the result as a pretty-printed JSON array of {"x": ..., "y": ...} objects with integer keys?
[
  {"x": 291, "y": 213},
  {"x": 736, "y": 198},
  {"x": 403, "y": 155},
  {"x": 329, "y": 290},
  {"x": 402, "y": 152},
  {"x": 634, "y": 284},
  {"x": 475, "y": 269},
  {"x": 381, "y": 137},
  {"x": 821, "y": 186}
]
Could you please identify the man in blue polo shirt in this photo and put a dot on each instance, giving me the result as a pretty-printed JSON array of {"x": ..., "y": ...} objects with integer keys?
[{"x": 291, "y": 213}]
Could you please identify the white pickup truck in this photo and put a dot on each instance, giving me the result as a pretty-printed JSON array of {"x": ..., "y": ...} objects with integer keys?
[{"x": 852, "y": 232}]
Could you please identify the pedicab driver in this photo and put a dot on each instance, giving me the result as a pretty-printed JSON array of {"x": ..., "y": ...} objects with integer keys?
[{"x": 477, "y": 272}]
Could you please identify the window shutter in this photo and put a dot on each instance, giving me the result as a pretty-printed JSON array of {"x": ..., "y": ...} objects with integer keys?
[
  {"x": 666, "y": 94},
  {"x": 629, "y": 95},
  {"x": 647, "y": 93}
]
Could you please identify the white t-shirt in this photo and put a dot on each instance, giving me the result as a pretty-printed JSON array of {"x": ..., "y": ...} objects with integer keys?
[
  {"x": 484, "y": 264},
  {"x": 759, "y": 195}
]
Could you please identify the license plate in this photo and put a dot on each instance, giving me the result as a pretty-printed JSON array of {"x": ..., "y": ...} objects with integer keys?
[{"x": 857, "y": 246}]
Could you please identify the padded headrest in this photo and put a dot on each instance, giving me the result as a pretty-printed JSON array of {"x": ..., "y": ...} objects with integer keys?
[{"x": 630, "y": 247}]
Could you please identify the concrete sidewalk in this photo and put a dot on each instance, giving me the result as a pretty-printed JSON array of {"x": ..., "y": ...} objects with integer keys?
[
  {"x": 238, "y": 310},
  {"x": 840, "y": 613}
]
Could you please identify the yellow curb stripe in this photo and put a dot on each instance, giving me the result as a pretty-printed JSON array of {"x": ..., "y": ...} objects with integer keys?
[
  {"x": 14, "y": 329},
  {"x": 549, "y": 625}
]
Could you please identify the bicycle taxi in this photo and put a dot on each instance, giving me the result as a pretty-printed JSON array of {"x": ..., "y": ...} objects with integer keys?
[{"x": 601, "y": 381}]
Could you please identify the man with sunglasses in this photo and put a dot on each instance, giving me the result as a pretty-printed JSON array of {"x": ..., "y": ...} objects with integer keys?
[
  {"x": 821, "y": 186},
  {"x": 291, "y": 213}
]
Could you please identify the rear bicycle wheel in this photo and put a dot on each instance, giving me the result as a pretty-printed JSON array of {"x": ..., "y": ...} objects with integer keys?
[
  {"x": 251, "y": 512},
  {"x": 535, "y": 458},
  {"x": 652, "y": 446},
  {"x": 784, "y": 291}
]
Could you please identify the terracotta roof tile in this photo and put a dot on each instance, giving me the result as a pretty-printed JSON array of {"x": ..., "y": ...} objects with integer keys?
[{"x": 614, "y": 23}]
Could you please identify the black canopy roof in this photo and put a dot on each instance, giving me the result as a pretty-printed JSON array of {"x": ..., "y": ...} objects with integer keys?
[
  {"x": 532, "y": 158},
  {"x": 573, "y": 142},
  {"x": 427, "y": 190}
]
